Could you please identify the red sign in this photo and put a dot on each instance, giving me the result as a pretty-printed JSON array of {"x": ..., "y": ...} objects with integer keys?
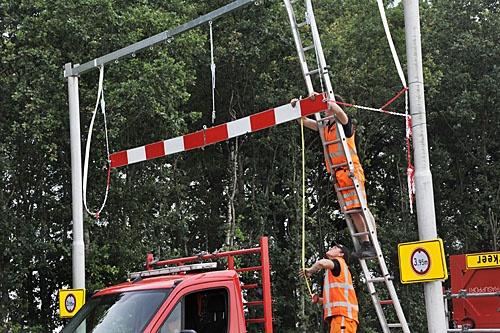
[{"x": 478, "y": 312}]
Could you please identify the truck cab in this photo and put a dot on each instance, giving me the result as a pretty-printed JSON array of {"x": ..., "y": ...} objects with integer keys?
[{"x": 185, "y": 298}]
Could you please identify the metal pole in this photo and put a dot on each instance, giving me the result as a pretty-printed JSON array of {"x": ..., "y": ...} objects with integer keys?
[
  {"x": 436, "y": 322},
  {"x": 76, "y": 182}
]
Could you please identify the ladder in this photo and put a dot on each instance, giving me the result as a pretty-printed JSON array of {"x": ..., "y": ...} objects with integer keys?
[{"x": 375, "y": 284}]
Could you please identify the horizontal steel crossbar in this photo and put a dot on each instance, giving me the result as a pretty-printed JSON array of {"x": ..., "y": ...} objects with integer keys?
[{"x": 153, "y": 40}]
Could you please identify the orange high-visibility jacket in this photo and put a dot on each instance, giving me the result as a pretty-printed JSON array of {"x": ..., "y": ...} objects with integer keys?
[
  {"x": 339, "y": 297},
  {"x": 335, "y": 151}
]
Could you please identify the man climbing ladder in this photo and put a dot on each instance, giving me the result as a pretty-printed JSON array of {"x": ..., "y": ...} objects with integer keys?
[
  {"x": 337, "y": 137},
  {"x": 341, "y": 173}
]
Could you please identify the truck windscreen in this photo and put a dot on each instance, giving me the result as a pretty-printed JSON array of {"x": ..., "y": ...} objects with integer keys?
[{"x": 127, "y": 312}]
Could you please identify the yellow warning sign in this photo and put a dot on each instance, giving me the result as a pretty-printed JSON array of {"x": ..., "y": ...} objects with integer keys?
[
  {"x": 483, "y": 260},
  {"x": 422, "y": 261},
  {"x": 70, "y": 301}
]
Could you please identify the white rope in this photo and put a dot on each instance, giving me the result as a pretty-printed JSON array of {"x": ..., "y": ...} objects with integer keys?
[
  {"x": 391, "y": 43},
  {"x": 212, "y": 69},
  {"x": 100, "y": 101},
  {"x": 374, "y": 109}
]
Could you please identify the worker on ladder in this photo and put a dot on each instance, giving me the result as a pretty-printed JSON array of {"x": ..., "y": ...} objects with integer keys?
[
  {"x": 340, "y": 304},
  {"x": 342, "y": 174}
]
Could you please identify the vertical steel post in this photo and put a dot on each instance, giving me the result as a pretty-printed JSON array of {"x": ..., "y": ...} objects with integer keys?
[
  {"x": 266, "y": 285},
  {"x": 436, "y": 322},
  {"x": 78, "y": 253}
]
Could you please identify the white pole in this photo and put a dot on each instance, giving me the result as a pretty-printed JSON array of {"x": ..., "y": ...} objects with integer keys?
[
  {"x": 78, "y": 253},
  {"x": 436, "y": 322}
]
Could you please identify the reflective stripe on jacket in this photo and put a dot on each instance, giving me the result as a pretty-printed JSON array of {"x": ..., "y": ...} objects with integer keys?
[
  {"x": 335, "y": 151},
  {"x": 339, "y": 297}
]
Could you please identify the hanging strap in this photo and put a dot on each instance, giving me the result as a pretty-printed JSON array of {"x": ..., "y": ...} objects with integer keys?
[
  {"x": 100, "y": 101},
  {"x": 410, "y": 171},
  {"x": 391, "y": 43},
  {"x": 212, "y": 69}
]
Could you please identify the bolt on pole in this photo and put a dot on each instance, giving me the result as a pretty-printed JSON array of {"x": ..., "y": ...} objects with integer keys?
[{"x": 436, "y": 319}]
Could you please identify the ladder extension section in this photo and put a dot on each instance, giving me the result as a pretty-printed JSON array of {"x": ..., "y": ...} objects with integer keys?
[
  {"x": 215, "y": 134},
  {"x": 264, "y": 269},
  {"x": 321, "y": 70}
]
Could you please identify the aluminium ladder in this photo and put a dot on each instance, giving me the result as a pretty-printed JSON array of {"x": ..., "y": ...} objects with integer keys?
[{"x": 374, "y": 283}]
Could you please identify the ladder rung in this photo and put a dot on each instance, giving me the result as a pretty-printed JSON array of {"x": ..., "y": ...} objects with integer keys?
[
  {"x": 345, "y": 188},
  {"x": 253, "y": 303},
  {"x": 394, "y": 325},
  {"x": 307, "y": 48},
  {"x": 255, "y": 320},
  {"x": 249, "y": 269},
  {"x": 250, "y": 286},
  {"x": 359, "y": 234},
  {"x": 318, "y": 70},
  {"x": 301, "y": 24},
  {"x": 377, "y": 279},
  {"x": 370, "y": 257},
  {"x": 325, "y": 119},
  {"x": 386, "y": 302},
  {"x": 314, "y": 71},
  {"x": 335, "y": 166},
  {"x": 381, "y": 279},
  {"x": 353, "y": 211},
  {"x": 326, "y": 143}
]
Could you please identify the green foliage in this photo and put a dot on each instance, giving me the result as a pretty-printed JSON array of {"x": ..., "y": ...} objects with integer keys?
[{"x": 178, "y": 205}]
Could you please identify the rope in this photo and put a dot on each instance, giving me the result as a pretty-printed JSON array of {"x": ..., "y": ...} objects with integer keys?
[
  {"x": 372, "y": 109},
  {"x": 212, "y": 69},
  {"x": 304, "y": 206},
  {"x": 100, "y": 102},
  {"x": 410, "y": 169}
]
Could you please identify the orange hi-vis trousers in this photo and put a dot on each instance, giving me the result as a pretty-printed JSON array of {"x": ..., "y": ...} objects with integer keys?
[
  {"x": 350, "y": 199},
  {"x": 341, "y": 324}
]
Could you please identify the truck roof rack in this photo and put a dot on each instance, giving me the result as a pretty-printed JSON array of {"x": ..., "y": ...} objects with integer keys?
[{"x": 172, "y": 270}]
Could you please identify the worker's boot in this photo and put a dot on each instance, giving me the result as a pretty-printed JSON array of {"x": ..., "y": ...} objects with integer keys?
[{"x": 367, "y": 251}]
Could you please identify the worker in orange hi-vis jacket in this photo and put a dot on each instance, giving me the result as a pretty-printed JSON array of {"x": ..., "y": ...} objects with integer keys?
[
  {"x": 342, "y": 176},
  {"x": 340, "y": 305}
]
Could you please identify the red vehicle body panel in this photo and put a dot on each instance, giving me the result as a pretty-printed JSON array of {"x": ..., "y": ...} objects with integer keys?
[
  {"x": 227, "y": 279},
  {"x": 482, "y": 312}
]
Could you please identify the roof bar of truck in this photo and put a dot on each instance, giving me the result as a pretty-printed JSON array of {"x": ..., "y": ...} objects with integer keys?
[{"x": 172, "y": 270}]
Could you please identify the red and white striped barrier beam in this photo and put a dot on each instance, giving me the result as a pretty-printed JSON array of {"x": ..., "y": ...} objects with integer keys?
[{"x": 253, "y": 123}]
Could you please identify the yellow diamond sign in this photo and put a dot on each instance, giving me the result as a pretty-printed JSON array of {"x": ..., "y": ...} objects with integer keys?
[
  {"x": 70, "y": 301},
  {"x": 422, "y": 261}
]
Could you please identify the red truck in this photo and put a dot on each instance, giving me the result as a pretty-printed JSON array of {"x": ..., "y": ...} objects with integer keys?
[{"x": 184, "y": 295}]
